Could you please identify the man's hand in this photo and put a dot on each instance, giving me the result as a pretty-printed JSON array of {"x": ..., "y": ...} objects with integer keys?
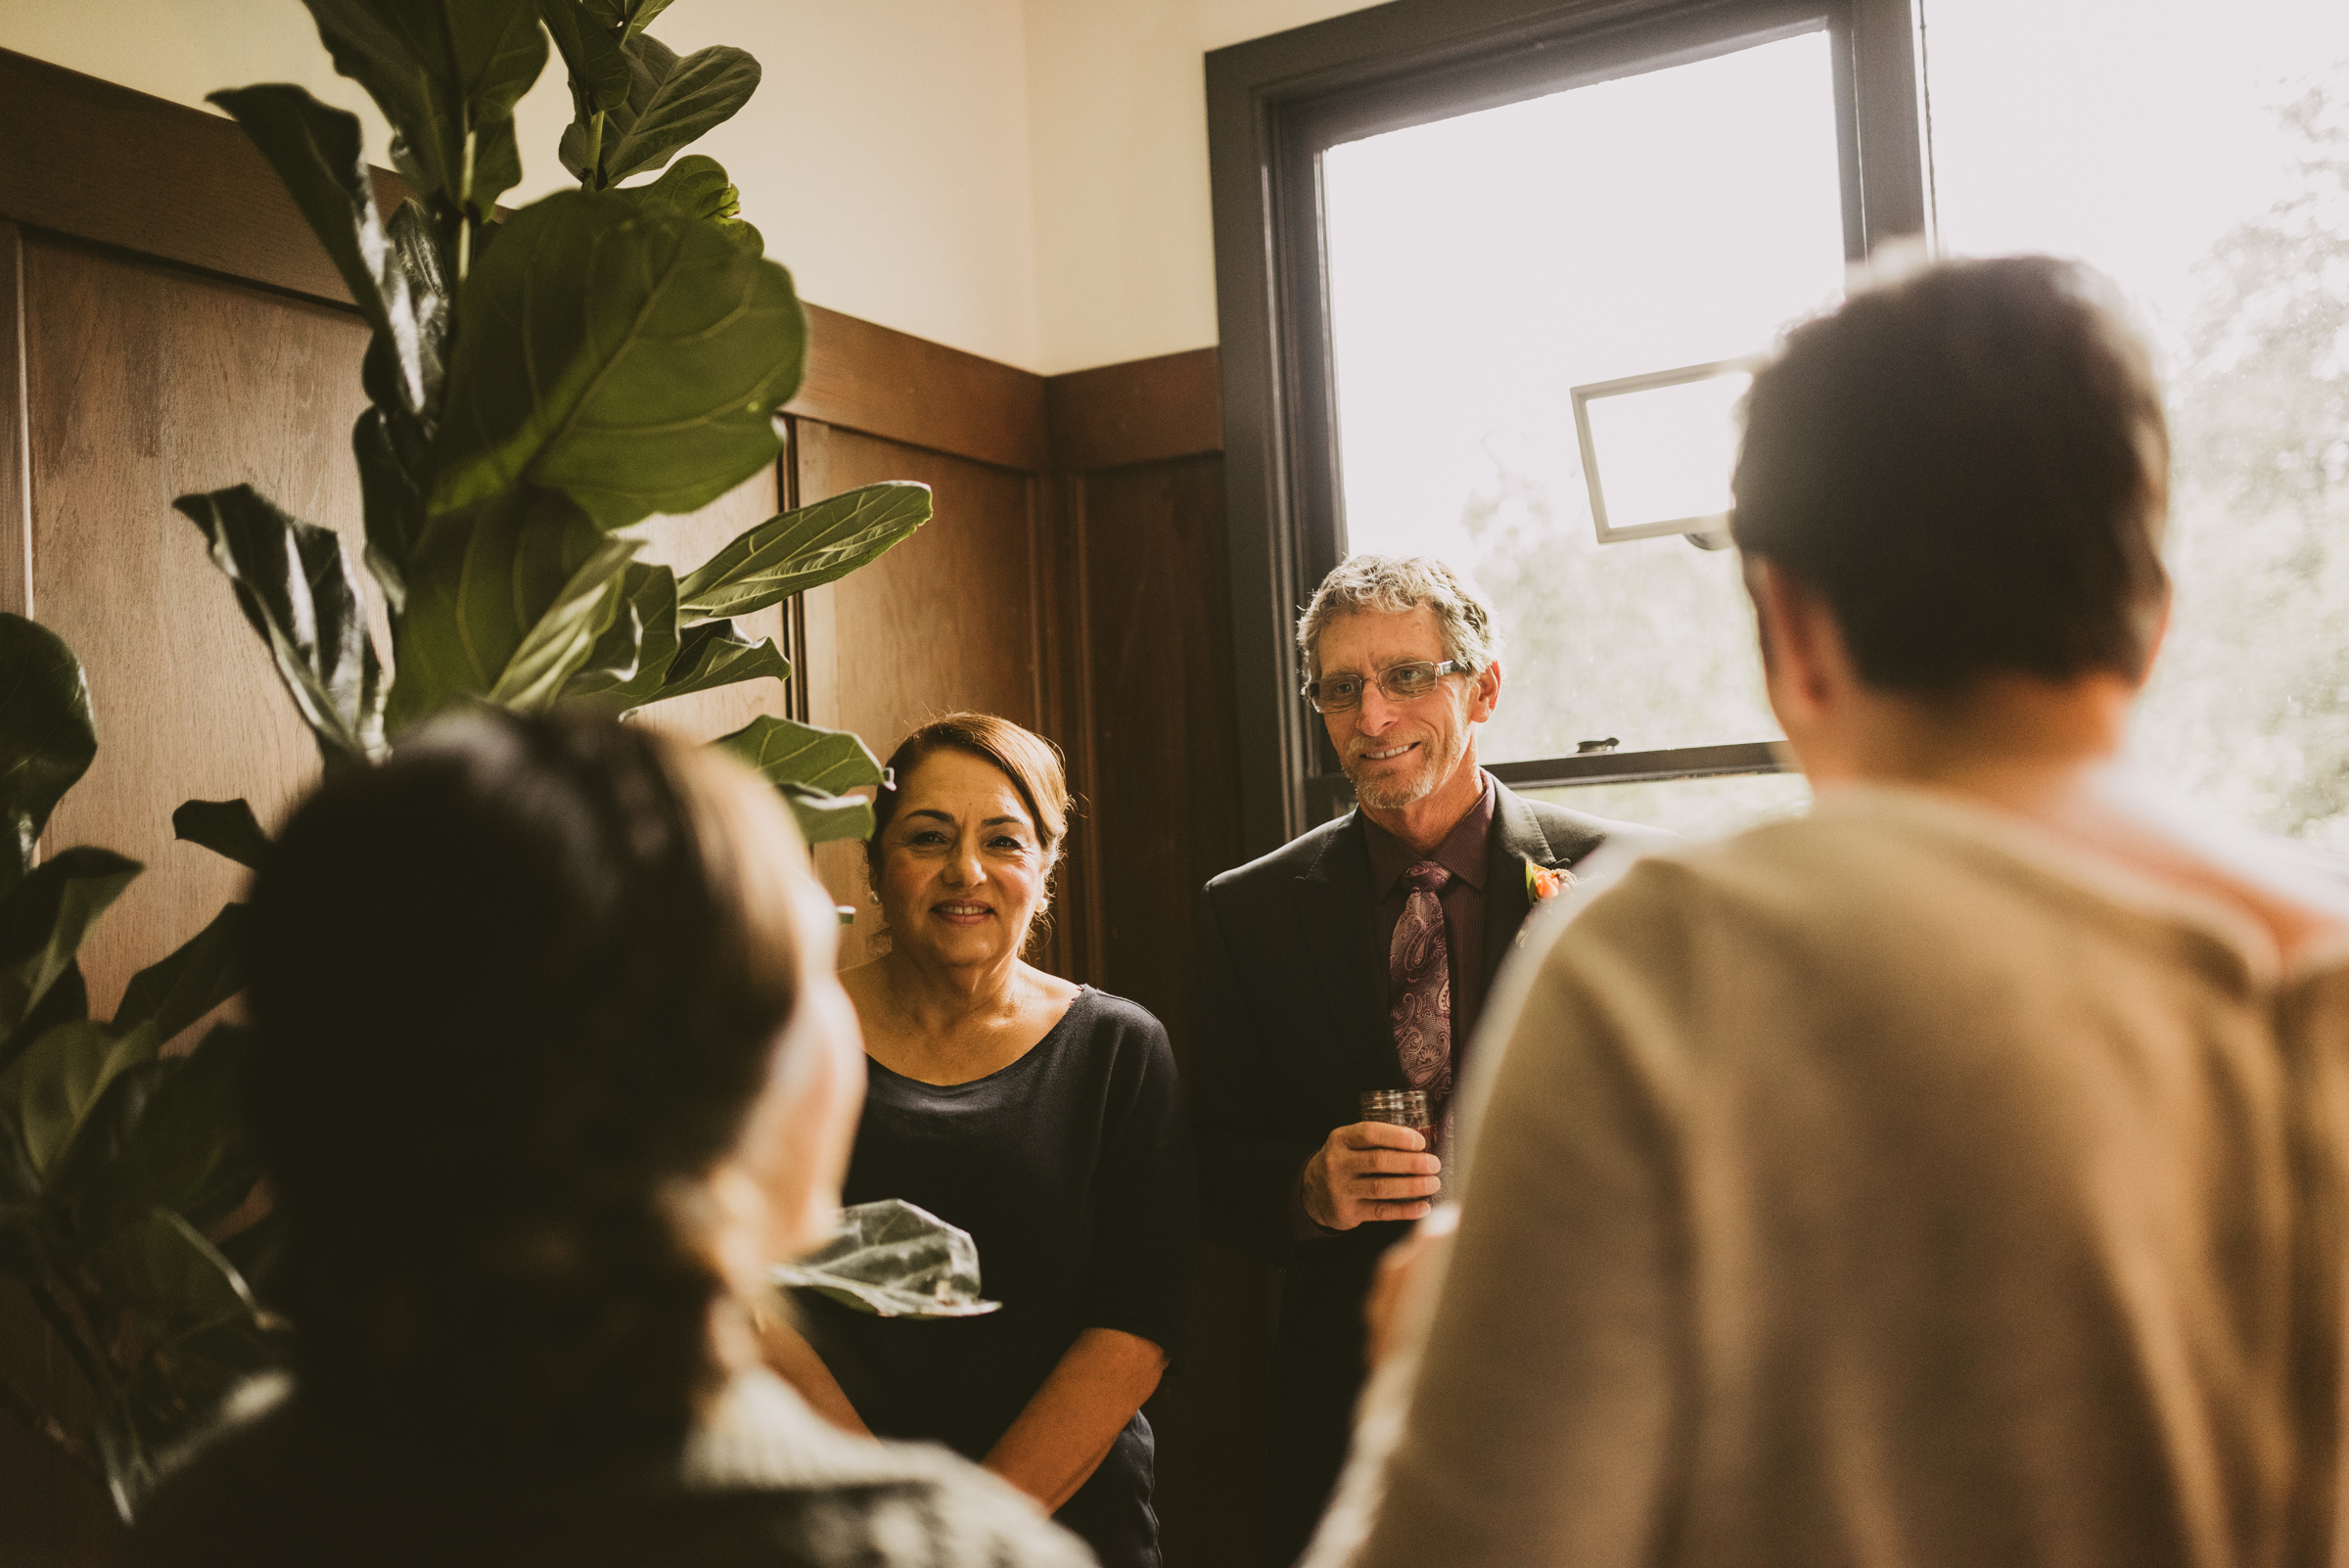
[{"x": 1369, "y": 1170}]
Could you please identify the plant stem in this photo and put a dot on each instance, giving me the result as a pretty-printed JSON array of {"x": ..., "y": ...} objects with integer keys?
[
  {"x": 53, "y": 1312},
  {"x": 593, "y": 179},
  {"x": 465, "y": 208}
]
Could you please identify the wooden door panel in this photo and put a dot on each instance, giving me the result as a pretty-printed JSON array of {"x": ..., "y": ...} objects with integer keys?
[{"x": 144, "y": 383}]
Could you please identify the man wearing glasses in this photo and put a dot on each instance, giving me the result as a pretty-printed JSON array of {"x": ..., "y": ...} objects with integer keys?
[{"x": 1356, "y": 959}]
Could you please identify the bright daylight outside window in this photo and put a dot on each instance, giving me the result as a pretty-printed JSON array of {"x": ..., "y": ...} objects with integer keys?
[
  {"x": 2200, "y": 155},
  {"x": 1483, "y": 267}
]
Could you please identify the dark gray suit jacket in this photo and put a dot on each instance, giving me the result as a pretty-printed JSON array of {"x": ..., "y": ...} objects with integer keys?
[{"x": 1287, "y": 1029}]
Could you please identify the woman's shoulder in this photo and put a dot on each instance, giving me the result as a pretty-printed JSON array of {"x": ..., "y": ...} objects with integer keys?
[{"x": 1100, "y": 1012}]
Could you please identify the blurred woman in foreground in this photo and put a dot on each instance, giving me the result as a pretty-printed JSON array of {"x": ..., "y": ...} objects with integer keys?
[{"x": 550, "y": 1064}]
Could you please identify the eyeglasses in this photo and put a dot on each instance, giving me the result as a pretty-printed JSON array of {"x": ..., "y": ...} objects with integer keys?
[{"x": 1401, "y": 683}]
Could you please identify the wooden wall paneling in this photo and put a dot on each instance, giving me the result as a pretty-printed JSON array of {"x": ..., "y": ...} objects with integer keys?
[
  {"x": 944, "y": 621},
  {"x": 144, "y": 383},
  {"x": 891, "y": 384},
  {"x": 118, "y": 168},
  {"x": 1147, "y": 411},
  {"x": 15, "y": 464},
  {"x": 1166, "y": 778}
]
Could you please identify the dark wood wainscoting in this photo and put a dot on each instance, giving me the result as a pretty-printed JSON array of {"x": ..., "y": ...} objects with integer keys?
[{"x": 167, "y": 325}]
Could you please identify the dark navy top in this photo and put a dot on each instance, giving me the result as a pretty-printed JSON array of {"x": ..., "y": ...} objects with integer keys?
[{"x": 1071, "y": 1169}]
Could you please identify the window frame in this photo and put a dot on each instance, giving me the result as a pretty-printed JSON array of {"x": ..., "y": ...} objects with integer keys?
[{"x": 1273, "y": 103}]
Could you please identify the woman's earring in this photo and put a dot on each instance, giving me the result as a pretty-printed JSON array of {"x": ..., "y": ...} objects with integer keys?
[{"x": 876, "y": 896}]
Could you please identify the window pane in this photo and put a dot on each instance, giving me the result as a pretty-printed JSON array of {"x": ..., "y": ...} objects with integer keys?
[
  {"x": 2198, "y": 154},
  {"x": 1482, "y": 268},
  {"x": 1694, "y": 808}
]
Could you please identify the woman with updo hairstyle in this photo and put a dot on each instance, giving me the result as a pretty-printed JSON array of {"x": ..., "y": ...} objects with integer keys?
[
  {"x": 1040, "y": 1116},
  {"x": 549, "y": 1064}
]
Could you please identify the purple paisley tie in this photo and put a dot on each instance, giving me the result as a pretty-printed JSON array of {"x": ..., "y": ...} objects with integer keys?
[{"x": 1419, "y": 986}]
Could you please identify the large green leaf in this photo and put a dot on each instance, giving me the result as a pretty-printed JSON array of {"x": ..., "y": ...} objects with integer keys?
[
  {"x": 442, "y": 74},
  {"x": 60, "y": 1077},
  {"x": 315, "y": 151},
  {"x": 65, "y": 1001},
  {"x": 47, "y": 735},
  {"x": 202, "y": 973},
  {"x": 298, "y": 591},
  {"x": 193, "y": 1313},
  {"x": 786, "y": 752},
  {"x": 671, "y": 101},
  {"x": 166, "y": 1133},
  {"x": 52, "y": 1085},
  {"x": 714, "y": 654},
  {"x": 599, "y": 72},
  {"x": 227, "y": 828},
  {"x": 632, "y": 656},
  {"x": 630, "y": 16},
  {"x": 43, "y": 919},
  {"x": 506, "y": 601},
  {"x": 803, "y": 549},
  {"x": 622, "y": 352},
  {"x": 698, "y": 186},
  {"x": 824, "y": 818}
]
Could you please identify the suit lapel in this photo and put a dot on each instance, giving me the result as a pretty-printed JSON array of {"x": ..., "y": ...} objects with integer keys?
[
  {"x": 1517, "y": 837},
  {"x": 1334, "y": 906}
]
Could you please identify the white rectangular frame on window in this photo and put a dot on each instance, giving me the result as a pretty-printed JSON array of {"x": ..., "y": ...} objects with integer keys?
[{"x": 1711, "y": 531}]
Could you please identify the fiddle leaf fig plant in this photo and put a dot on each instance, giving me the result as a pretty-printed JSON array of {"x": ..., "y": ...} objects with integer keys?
[
  {"x": 120, "y": 1167},
  {"x": 539, "y": 385}
]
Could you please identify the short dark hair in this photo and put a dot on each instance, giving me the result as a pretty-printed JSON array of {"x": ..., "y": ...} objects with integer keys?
[
  {"x": 1971, "y": 466},
  {"x": 514, "y": 991}
]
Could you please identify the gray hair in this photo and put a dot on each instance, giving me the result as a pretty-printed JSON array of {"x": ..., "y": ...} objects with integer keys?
[{"x": 1394, "y": 583}]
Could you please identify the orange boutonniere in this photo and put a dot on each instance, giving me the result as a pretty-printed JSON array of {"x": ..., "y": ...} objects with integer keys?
[{"x": 1544, "y": 882}]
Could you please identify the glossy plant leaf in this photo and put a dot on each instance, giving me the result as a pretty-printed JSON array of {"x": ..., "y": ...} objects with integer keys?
[
  {"x": 599, "y": 72},
  {"x": 298, "y": 591},
  {"x": 807, "y": 548},
  {"x": 43, "y": 919},
  {"x": 227, "y": 828},
  {"x": 168, "y": 996},
  {"x": 315, "y": 151},
  {"x": 629, "y": 16},
  {"x": 618, "y": 352},
  {"x": 60, "y": 1077},
  {"x": 189, "y": 1305},
  {"x": 825, "y": 760},
  {"x": 697, "y": 186},
  {"x": 65, "y": 1001},
  {"x": 47, "y": 735},
  {"x": 715, "y": 655},
  {"x": 166, "y": 1133},
  {"x": 632, "y": 658},
  {"x": 673, "y": 102},
  {"x": 823, "y": 817},
  {"x": 439, "y": 72},
  {"x": 390, "y": 501},
  {"x": 506, "y": 602}
]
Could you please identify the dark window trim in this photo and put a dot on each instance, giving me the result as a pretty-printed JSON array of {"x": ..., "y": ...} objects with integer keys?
[{"x": 1271, "y": 104}]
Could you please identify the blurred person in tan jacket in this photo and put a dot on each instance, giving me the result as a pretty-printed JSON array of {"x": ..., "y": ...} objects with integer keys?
[{"x": 1954, "y": 1175}]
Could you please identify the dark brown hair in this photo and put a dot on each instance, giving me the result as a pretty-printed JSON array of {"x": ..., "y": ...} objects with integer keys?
[
  {"x": 515, "y": 991},
  {"x": 1030, "y": 761},
  {"x": 1971, "y": 466}
]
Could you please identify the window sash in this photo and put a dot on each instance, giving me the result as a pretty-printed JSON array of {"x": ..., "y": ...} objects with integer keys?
[{"x": 1274, "y": 105}]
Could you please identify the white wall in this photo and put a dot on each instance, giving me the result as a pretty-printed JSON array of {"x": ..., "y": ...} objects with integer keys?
[
  {"x": 1025, "y": 179},
  {"x": 1118, "y": 110}
]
